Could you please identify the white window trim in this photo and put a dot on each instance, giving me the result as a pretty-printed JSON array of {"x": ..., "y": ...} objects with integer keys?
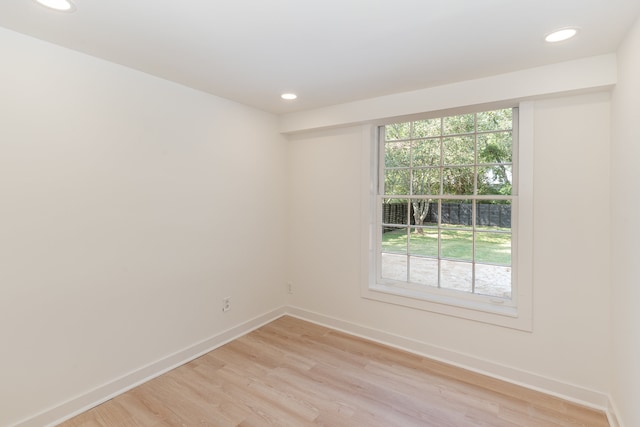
[{"x": 519, "y": 313}]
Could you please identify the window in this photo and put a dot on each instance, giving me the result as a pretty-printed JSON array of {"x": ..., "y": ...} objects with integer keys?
[{"x": 445, "y": 227}]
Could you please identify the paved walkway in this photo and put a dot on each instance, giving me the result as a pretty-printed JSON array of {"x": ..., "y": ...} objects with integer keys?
[{"x": 490, "y": 279}]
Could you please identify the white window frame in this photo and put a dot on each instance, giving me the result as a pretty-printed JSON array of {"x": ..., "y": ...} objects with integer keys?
[{"x": 515, "y": 313}]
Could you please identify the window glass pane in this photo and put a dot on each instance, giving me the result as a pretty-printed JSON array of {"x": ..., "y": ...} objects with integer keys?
[
  {"x": 458, "y": 151},
  {"x": 424, "y": 271},
  {"x": 426, "y": 152},
  {"x": 458, "y": 181},
  {"x": 426, "y": 181},
  {"x": 397, "y": 154},
  {"x": 456, "y": 275},
  {"x": 493, "y": 214},
  {"x": 463, "y": 243},
  {"x": 397, "y": 131},
  {"x": 493, "y": 248},
  {"x": 495, "y": 120},
  {"x": 495, "y": 180},
  {"x": 424, "y": 242},
  {"x": 458, "y": 124},
  {"x": 495, "y": 147},
  {"x": 457, "y": 213},
  {"x": 394, "y": 267},
  {"x": 394, "y": 240},
  {"x": 426, "y": 128},
  {"x": 456, "y": 244},
  {"x": 424, "y": 212},
  {"x": 395, "y": 211},
  {"x": 396, "y": 181},
  {"x": 493, "y": 280}
]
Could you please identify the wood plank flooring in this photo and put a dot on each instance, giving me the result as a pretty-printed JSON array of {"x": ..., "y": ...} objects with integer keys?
[{"x": 294, "y": 373}]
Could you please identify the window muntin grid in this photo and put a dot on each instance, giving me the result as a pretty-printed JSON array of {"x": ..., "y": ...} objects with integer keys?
[{"x": 452, "y": 180}]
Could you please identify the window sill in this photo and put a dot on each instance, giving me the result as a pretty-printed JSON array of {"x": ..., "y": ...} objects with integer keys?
[{"x": 487, "y": 310}]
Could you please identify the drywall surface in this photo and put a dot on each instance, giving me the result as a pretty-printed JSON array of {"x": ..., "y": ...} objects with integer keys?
[
  {"x": 579, "y": 75},
  {"x": 570, "y": 249},
  {"x": 129, "y": 207},
  {"x": 625, "y": 239}
]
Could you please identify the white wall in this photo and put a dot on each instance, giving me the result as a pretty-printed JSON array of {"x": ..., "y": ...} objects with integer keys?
[
  {"x": 129, "y": 207},
  {"x": 570, "y": 76},
  {"x": 625, "y": 239},
  {"x": 571, "y": 253}
]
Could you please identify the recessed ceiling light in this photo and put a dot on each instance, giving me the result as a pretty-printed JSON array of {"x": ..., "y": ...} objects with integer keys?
[
  {"x": 288, "y": 96},
  {"x": 561, "y": 35},
  {"x": 61, "y": 5}
]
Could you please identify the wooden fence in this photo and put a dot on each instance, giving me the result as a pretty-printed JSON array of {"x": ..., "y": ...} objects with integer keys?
[{"x": 487, "y": 214}]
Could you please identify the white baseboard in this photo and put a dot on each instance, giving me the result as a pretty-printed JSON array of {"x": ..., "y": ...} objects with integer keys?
[
  {"x": 612, "y": 414},
  {"x": 86, "y": 401},
  {"x": 570, "y": 392},
  {"x": 72, "y": 407}
]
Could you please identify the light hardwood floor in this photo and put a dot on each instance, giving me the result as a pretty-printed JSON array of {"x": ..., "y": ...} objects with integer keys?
[{"x": 294, "y": 373}]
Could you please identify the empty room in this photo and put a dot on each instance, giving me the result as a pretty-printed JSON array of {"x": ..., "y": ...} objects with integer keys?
[{"x": 338, "y": 213}]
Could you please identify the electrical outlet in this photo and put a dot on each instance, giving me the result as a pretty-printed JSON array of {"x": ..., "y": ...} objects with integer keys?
[
  {"x": 226, "y": 304},
  {"x": 289, "y": 287}
]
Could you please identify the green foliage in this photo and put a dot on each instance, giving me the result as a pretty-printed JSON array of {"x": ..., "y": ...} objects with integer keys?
[
  {"x": 426, "y": 181},
  {"x": 495, "y": 120},
  {"x": 396, "y": 181},
  {"x": 458, "y": 181},
  {"x": 495, "y": 151},
  {"x": 427, "y": 128},
  {"x": 426, "y": 152},
  {"x": 420, "y": 157},
  {"x": 458, "y": 151},
  {"x": 458, "y": 124},
  {"x": 495, "y": 147},
  {"x": 398, "y": 131},
  {"x": 397, "y": 154}
]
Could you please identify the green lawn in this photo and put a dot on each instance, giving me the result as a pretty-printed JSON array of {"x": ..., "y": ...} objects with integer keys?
[{"x": 491, "y": 246}]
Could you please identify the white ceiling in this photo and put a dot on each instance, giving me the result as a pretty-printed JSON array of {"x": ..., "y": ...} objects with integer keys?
[{"x": 327, "y": 51}]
